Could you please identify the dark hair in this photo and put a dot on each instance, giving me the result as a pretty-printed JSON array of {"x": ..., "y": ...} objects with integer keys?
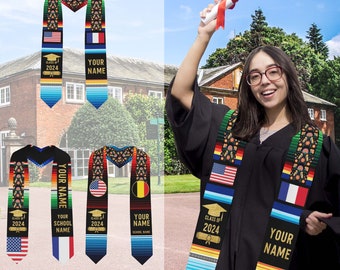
[{"x": 251, "y": 114}]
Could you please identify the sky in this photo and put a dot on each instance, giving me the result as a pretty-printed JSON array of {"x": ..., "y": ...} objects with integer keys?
[
  {"x": 162, "y": 31},
  {"x": 132, "y": 30},
  {"x": 182, "y": 19}
]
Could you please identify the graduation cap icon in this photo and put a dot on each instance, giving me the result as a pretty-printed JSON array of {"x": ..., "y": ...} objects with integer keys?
[
  {"x": 97, "y": 213},
  {"x": 214, "y": 209},
  {"x": 18, "y": 213},
  {"x": 52, "y": 57}
]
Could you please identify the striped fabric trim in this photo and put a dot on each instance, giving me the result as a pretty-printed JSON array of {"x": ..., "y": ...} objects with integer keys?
[
  {"x": 264, "y": 266},
  {"x": 218, "y": 193},
  {"x": 202, "y": 257}
]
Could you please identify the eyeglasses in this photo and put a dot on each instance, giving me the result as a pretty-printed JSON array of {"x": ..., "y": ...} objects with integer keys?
[{"x": 273, "y": 74}]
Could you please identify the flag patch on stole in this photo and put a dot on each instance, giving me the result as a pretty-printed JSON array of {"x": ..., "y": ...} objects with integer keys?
[
  {"x": 52, "y": 36},
  {"x": 223, "y": 174},
  {"x": 293, "y": 194},
  {"x": 95, "y": 37},
  {"x": 98, "y": 188},
  {"x": 17, "y": 247}
]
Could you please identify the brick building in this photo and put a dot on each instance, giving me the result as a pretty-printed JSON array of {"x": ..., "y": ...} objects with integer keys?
[{"x": 40, "y": 125}]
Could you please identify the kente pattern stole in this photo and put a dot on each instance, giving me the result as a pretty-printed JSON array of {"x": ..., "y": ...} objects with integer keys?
[
  {"x": 301, "y": 160},
  {"x": 52, "y": 51},
  {"x": 140, "y": 201},
  {"x": 296, "y": 180},
  {"x": 217, "y": 198},
  {"x": 61, "y": 201}
]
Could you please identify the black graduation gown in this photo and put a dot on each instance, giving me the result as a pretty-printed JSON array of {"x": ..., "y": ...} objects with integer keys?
[{"x": 256, "y": 186}]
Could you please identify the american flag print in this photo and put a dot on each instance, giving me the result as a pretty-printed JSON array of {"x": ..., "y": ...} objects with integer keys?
[
  {"x": 223, "y": 174},
  {"x": 97, "y": 188},
  {"x": 17, "y": 248},
  {"x": 52, "y": 36}
]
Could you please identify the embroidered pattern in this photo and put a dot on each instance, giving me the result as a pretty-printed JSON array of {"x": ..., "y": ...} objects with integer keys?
[
  {"x": 96, "y": 15},
  {"x": 52, "y": 14},
  {"x": 74, "y": 4},
  {"x": 304, "y": 155},
  {"x": 18, "y": 184},
  {"x": 119, "y": 157}
]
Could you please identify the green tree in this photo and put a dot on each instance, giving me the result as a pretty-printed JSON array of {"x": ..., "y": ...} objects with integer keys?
[
  {"x": 258, "y": 29},
  {"x": 111, "y": 124},
  {"x": 238, "y": 48},
  {"x": 315, "y": 41},
  {"x": 325, "y": 83},
  {"x": 142, "y": 109}
]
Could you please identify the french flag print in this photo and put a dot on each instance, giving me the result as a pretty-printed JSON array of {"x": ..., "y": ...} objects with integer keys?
[
  {"x": 95, "y": 37},
  {"x": 293, "y": 194}
]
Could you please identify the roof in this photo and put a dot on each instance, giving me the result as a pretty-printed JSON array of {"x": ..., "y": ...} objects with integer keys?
[
  {"x": 309, "y": 98},
  {"x": 209, "y": 75},
  {"x": 117, "y": 67}
]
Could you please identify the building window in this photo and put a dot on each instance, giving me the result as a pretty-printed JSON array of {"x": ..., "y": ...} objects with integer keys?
[
  {"x": 323, "y": 115},
  {"x": 155, "y": 94},
  {"x": 311, "y": 113},
  {"x": 5, "y": 96},
  {"x": 75, "y": 92},
  {"x": 116, "y": 92},
  {"x": 3, "y": 164},
  {"x": 79, "y": 159},
  {"x": 217, "y": 100}
]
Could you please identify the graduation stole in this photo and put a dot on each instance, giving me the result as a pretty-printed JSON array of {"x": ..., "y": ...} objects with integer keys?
[
  {"x": 61, "y": 201},
  {"x": 52, "y": 51},
  {"x": 140, "y": 205},
  {"x": 283, "y": 225}
]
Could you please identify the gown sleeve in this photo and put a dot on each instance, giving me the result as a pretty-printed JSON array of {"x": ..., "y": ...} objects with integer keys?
[
  {"x": 324, "y": 197},
  {"x": 195, "y": 131}
]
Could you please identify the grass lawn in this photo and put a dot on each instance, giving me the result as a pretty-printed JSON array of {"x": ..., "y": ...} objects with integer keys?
[{"x": 168, "y": 184}]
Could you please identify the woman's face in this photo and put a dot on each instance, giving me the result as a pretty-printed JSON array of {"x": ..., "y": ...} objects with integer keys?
[{"x": 271, "y": 94}]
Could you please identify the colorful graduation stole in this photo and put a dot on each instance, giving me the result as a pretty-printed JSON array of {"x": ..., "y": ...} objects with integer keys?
[
  {"x": 217, "y": 198},
  {"x": 296, "y": 180},
  {"x": 140, "y": 205},
  {"x": 95, "y": 53},
  {"x": 52, "y": 51},
  {"x": 61, "y": 201},
  {"x": 303, "y": 153}
]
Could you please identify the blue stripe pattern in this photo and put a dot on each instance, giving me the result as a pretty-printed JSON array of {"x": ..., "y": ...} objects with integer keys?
[
  {"x": 286, "y": 212},
  {"x": 141, "y": 247},
  {"x": 96, "y": 95},
  {"x": 96, "y": 246},
  {"x": 218, "y": 193},
  {"x": 198, "y": 264}
]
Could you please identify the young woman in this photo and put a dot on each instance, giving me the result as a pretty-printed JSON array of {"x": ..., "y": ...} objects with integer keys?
[{"x": 253, "y": 214}]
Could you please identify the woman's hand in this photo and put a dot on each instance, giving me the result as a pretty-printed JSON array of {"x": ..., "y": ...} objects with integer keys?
[
  {"x": 314, "y": 225},
  {"x": 209, "y": 28}
]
